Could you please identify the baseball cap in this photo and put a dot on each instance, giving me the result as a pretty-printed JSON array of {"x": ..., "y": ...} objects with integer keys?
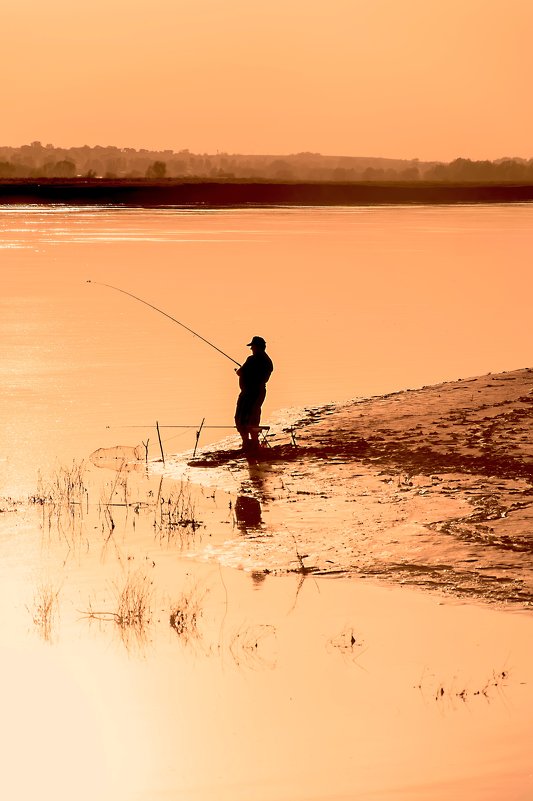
[{"x": 259, "y": 341}]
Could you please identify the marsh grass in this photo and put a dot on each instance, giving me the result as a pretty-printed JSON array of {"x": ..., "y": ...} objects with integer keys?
[
  {"x": 66, "y": 494},
  {"x": 185, "y": 614},
  {"x": 493, "y": 684},
  {"x": 133, "y": 605},
  {"x": 66, "y": 487},
  {"x": 45, "y": 610},
  {"x": 117, "y": 494},
  {"x": 347, "y": 643},
  {"x": 134, "y": 602},
  {"x": 70, "y": 520},
  {"x": 453, "y": 692},
  {"x": 64, "y": 498},
  {"x": 176, "y": 514},
  {"x": 8, "y": 505}
]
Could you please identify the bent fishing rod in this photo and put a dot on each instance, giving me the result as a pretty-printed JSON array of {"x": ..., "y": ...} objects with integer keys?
[{"x": 186, "y": 327}]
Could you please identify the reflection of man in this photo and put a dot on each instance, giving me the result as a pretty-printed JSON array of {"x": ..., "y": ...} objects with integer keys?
[
  {"x": 248, "y": 513},
  {"x": 253, "y": 376}
]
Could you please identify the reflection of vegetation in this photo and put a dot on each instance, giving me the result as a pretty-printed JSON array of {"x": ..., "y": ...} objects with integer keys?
[
  {"x": 116, "y": 495},
  {"x": 452, "y": 692},
  {"x": 176, "y": 512},
  {"x": 133, "y": 607},
  {"x": 347, "y": 643},
  {"x": 8, "y": 505},
  {"x": 186, "y": 612},
  {"x": 87, "y": 512},
  {"x": 248, "y": 646},
  {"x": 64, "y": 499},
  {"x": 45, "y": 610},
  {"x": 66, "y": 487},
  {"x": 133, "y": 604}
]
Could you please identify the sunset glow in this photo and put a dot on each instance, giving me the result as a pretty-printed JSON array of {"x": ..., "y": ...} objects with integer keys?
[
  {"x": 266, "y": 400},
  {"x": 406, "y": 79}
]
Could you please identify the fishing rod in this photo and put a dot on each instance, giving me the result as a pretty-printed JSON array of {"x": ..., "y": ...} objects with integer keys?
[
  {"x": 194, "y": 333},
  {"x": 151, "y": 425}
]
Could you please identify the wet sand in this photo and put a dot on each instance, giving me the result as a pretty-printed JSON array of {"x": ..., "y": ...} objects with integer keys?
[
  {"x": 431, "y": 487},
  {"x": 269, "y": 662}
]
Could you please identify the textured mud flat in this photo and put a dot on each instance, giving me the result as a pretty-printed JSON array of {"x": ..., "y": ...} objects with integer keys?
[{"x": 431, "y": 486}]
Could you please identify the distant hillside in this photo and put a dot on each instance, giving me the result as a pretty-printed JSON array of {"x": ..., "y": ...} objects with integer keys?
[{"x": 47, "y": 161}]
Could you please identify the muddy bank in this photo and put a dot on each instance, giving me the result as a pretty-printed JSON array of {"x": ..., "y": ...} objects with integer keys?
[
  {"x": 431, "y": 487},
  {"x": 220, "y": 194}
]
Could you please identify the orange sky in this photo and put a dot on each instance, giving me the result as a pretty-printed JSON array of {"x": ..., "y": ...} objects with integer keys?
[{"x": 433, "y": 79}]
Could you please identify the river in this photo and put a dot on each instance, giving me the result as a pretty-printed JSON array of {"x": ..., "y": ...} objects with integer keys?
[
  {"x": 352, "y": 302},
  {"x": 145, "y": 656}
]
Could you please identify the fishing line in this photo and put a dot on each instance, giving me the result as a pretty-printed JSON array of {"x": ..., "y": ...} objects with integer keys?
[{"x": 155, "y": 308}]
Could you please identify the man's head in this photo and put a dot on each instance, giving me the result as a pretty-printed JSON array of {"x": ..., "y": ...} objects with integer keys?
[{"x": 257, "y": 343}]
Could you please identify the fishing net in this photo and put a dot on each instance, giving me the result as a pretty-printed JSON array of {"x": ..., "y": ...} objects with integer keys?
[{"x": 120, "y": 457}]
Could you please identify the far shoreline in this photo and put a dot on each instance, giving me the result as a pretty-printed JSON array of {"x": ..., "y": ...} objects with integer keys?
[{"x": 199, "y": 193}]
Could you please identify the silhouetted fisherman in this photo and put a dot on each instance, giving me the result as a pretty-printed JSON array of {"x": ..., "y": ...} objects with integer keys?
[{"x": 253, "y": 377}]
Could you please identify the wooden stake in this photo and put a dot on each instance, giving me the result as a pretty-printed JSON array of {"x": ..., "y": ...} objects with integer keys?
[
  {"x": 146, "y": 449},
  {"x": 160, "y": 443},
  {"x": 198, "y": 437}
]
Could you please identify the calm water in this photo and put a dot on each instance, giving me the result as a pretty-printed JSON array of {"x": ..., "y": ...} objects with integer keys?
[
  {"x": 351, "y": 301},
  {"x": 286, "y": 689}
]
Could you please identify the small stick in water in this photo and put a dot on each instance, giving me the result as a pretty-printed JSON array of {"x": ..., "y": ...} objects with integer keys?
[
  {"x": 160, "y": 443},
  {"x": 198, "y": 437}
]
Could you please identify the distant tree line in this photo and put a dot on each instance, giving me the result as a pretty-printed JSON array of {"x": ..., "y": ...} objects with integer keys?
[
  {"x": 500, "y": 171},
  {"x": 47, "y": 161}
]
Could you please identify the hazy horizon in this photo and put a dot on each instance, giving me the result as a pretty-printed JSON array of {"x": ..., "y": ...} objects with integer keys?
[
  {"x": 279, "y": 154},
  {"x": 403, "y": 80},
  {"x": 38, "y": 161}
]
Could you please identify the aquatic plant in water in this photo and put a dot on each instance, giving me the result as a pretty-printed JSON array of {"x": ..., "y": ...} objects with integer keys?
[
  {"x": 461, "y": 691},
  {"x": 66, "y": 487},
  {"x": 176, "y": 512},
  {"x": 248, "y": 646},
  {"x": 133, "y": 604},
  {"x": 45, "y": 610},
  {"x": 186, "y": 613},
  {"x": 64, "y": 498}
]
